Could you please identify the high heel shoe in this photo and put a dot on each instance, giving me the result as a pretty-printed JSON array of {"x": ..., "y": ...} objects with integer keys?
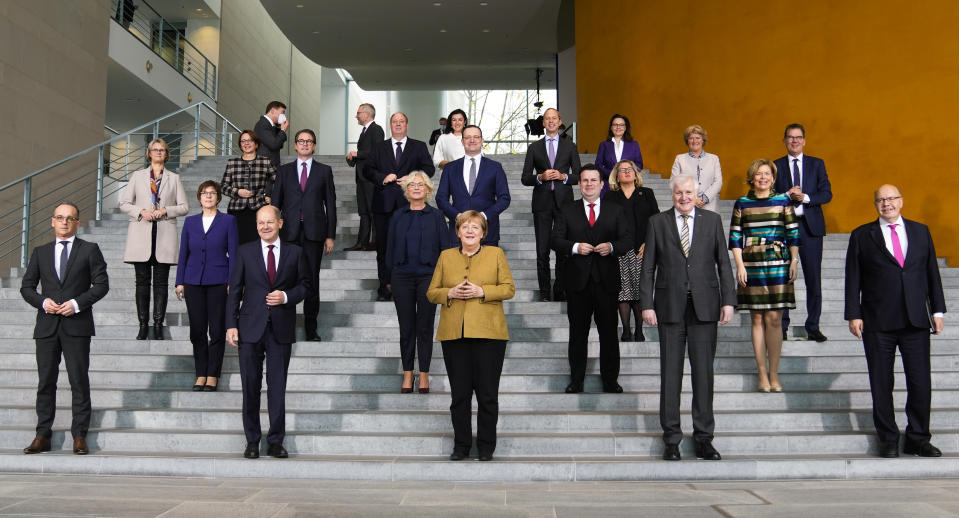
[
  {"x": 210, "y": 387},
  {"x": 763, "y": 387},
  {"x": 776, "y": 387},
  {"x": 426, "y": 389},
  {"x": 198, "y": 386},
  {"x": 404, "y": 389}
]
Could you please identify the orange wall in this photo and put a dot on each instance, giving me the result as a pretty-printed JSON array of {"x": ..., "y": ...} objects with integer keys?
[{"x": 876, "y": 84}]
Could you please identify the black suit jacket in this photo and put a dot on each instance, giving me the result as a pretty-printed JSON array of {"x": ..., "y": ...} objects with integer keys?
[
  {"x": 246, "y": 307},
  {"x": 86, "y": 282},
  {"x": 317, "y": 204},
  {"x": 537, "y": 161},
  {"x": 815, "y": 183},
  {"x": 572, "y": 226},
  {"x": 364, "y": 149},
  {"x": 387, "y": 198},
  {"x": 435, "y": 135},
  {"x": 639, "y": 207},
  {"x": 272, "y": 139},
  {"x": 886, "y": 296}
]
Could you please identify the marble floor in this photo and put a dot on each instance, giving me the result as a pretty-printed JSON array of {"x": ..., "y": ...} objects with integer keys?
[{"x": 74, "y": 495}]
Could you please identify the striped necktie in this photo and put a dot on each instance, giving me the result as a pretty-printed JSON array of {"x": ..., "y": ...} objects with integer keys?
[{"x": 684, "y": 235}]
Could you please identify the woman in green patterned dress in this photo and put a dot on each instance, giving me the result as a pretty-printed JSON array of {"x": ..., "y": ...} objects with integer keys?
[{"x": 764, "y": 238}]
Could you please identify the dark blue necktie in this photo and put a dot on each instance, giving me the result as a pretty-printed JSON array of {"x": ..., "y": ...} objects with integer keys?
[
  {"x": 399, "y": 152},
  {"x": 796, "y": 179}
]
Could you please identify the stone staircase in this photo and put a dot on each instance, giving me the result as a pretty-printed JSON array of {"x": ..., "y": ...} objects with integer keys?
[{"x": 346, "y": 418}]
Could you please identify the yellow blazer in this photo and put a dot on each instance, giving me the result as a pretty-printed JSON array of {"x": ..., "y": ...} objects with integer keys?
[{"x": 487, "y": 268}]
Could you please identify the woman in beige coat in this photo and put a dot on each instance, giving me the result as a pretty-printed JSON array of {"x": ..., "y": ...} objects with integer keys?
[
  {"x": 471, "y": 282},
  {"x": 153, "y": 198}
]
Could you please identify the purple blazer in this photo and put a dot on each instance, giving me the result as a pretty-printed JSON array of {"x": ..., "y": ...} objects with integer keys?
[{"x": 606, "y": 159}]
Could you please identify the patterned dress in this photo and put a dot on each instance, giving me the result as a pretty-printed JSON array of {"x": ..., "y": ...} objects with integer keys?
[{"x": 765, "y": 228}]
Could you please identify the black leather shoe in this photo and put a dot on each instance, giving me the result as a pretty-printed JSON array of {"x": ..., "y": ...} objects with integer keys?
[
  {"x": 458, "y": 455},
  {"x": 705, "y": 451},
  {"x": 158, "y": 331},
  {"x": 920, "y": 449},
  {"x": 40, "y": 444},
  {"x": 311, "y": 336},
  {"x": 627, "y": 336},
  {"x": 209, "y": 388},
  {"x": 143, "y": 332},
  {"x": 888, "y": 449},
  {"x": 370, "y": 247},
  {"x": 277, "y": 450},
  {"x": 785, "y": 335},
  {"x": 485, "y": 457},
  {"x": 638, "y": 336},
  {"x": 383, "y": 298},
  {"x": 198, "y": 388},
  {"x": 672, "y": 452},
  {"x": 574, "y": 387},
  {"x": 252, "y": 450},
  {"x": 612, "y": 388},
  {"x": 544, "y": 296},
  {"x": 816, "y": 335},
  {"x": 355, "y": 248}
]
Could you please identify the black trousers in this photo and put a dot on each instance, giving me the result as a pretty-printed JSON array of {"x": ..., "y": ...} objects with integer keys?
[
  {"x": 381, "y": 220},
  {"x": 245, "y": 225},
  {"x": 700, "y": 337},
  {"x": 474, "y": 365},
  {"x": 364, "y": 207},
  {"x": 251, "y": 356},
  {"x": 160, "y": 273},
  {"x": 76, "y": 352},
  {"x": 880, "y": 350},
  {"x": 415, "y": 314},
  {"x": 543, "y": 228},
  {"x": 206, "y": 307},
  {"x": 593, "y": 303},
  {"x": 313, "y": 251},
  {"x": 810, "y": 258}
]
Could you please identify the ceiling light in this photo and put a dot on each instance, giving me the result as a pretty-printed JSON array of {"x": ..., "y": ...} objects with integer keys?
[
  {"x": 408, "y": 50},
  {"x": 299, "y": 6},
  {"x": 442, "y": 30},
  {"x": 484, "y": 4},
  {"x": 437, "y": 4},
  {"x": 316, "y": 32},
  {"x": 485, "y": 30},
  {"x": 199, "y": 10}
]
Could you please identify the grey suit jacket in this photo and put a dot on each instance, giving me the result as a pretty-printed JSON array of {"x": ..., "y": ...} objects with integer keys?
[{"x": 706, "y": 273}]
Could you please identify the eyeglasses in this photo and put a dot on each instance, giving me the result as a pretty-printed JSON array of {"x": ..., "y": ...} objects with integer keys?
[
  {"x": 304, "y": 141},
  {"x": 472, "y": 137},
  {"x": 416, "y": 185},
  {"x": 880, "y": 201},
  {"x": 157, "y": 150},
  {"x": 68, "y": 219},
  {"x": 796, "y": 137},
  {"x": 208, "y": 193},
  {"x": 625, "y": 169},
  {"x": 618, "y": 125},
  {"x": 246, "y": 141}
]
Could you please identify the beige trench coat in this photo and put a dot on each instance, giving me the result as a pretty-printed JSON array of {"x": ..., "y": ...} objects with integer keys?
[{"x": 136, "y": 197}]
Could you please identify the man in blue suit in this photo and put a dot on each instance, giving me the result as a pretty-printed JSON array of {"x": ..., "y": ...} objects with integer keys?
[
  {"x": 392, "y": 160},
  {"x": 269, "y": 278},
  {"x": 475, "y": 183},
  {"x": 804, "y": 179}
]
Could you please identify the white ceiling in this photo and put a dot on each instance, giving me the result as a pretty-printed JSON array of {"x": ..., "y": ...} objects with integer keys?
[{"x": 398, "y": 44}]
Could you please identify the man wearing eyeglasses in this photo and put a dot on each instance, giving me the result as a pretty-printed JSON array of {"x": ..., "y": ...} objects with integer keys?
[
  {"x": 892, "y": 285},
  {"x": 804, "y": 179},
  {"x": 305, "y": 194},
  {"x": 73, "y": 275}
]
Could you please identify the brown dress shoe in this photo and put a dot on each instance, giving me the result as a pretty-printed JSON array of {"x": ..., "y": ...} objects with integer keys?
[
  {"x": 39, "y": 444},
  {"x": 80, "y": 446}
]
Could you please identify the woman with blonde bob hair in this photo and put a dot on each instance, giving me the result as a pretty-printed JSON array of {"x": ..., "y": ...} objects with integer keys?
[
  {"x": 639, "y": 204},
  {"x": 702, "y": 166},
  {"x": 417, "y": 234},
  {"x": 153, "y": 199}
]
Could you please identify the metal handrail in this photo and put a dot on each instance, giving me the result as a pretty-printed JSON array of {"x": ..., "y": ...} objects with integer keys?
[{"x": 208, "y": 132}]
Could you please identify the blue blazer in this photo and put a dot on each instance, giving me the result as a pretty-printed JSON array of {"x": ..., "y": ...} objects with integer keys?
[
  {"x": 490, "y": 194},
  {"x": 434, "y": 237},
  {"x": 606, "y": 156},
  {"x": 249, "y": 281},
  {"x": 815, "y": 183},
  {"x": 387, "y": 198},
  {"x": 317, "y": 204},
  {"x": 206, "y": 258}
]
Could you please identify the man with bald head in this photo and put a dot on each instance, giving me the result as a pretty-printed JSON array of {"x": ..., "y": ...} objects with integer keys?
[
  {"x": 269, "y": 278},
  {"x": 892, "y": 285}
]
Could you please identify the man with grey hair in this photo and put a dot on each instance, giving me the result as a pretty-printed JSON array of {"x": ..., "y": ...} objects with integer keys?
[
  {"x": 370, "y": 135},
  {"x": 687, "y": 262}
]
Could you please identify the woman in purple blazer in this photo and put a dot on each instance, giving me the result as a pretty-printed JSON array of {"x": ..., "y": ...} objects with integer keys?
[
  {"x": 618, "y": 146},
  {"x": 207, "y": 250}
]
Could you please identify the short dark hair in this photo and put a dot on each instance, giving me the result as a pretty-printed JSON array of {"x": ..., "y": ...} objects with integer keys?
[
  {"x": 468, "y": 126},
  {"x": 253, "y": 136},
  {"x": 209, "y": 183},
  {"x": 627, "y": 137},
  {"x": 69, "y": 204},
  {"x": 274, "y": 104},
  {"x": 305, "y": 130},
  {"x": 591, "y": 167},
  {"x": 793, "y": 126}
]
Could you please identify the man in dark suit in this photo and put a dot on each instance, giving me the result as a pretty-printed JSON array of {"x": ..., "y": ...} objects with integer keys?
[
  {"x": 269, "y": 278},
  {"x": 435, "y": 135},
  {"x": 687, "y": 262},
  {"x": 392, "y": 160},
  {"x": 595, "y": 234},
  {"x": 74, "y": 277},
  {"x": 551, "y": 168},
  {"x": 475, "y": 183},
  {"x": 371, "y": 134},
  {"x": 804, "y": 179},
  {"x": 892, "y": 283},
  {"x": 306, "y": 197},
  {"x": 271, "y": 130}
]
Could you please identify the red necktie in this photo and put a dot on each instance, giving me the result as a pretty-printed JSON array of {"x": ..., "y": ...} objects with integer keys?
[
  {"x": 896, "y": 246},
  {"x": 592, "y": 215},
  {"x": 303, "y": 178},
  {"x": 270, "y": 264}
]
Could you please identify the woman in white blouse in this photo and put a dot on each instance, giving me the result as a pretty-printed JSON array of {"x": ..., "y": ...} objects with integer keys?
[
  {"x": 702, "y": 165},
  {"x": 449, "y": 147}
]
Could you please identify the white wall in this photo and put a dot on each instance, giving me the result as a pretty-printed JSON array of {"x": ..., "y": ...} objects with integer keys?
[{"x": 423, "y": 108}]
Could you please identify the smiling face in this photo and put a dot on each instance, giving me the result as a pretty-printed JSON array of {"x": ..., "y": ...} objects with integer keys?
[
  {"x": 398, "y": 126},
  {"x": 472, "y": 141},
  {"x": 684, "y": 195},
  {"x": 551, "y": 122},
  {"x": 795, "y": 141},
  {"x": 416, "y": 190},
  {"x": 470, "y": 233},
  {"x": 268, "y": 223},
  {"x": 65, "y": 221},
  {"x": 695, "y": 143},
  {"x": 590, "y": 184},
  {"x": 763, "y": 180},
  {"x": 457, "y": 122},
  {"x": 618, "y": 127},
  {"x": 888, "y": 203}
]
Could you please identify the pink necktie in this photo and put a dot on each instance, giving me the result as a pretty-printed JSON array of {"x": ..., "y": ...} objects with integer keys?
[
  {"x": 552, "y": 159},
  {"x": 896, "y": 247},
  {"x": 303, "y": 178}
]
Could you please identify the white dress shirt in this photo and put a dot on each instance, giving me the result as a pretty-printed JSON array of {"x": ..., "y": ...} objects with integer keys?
[
  {"x": 596, "y": 214},
  {"x": 689, "y": 223},
  {"x": 805, "y": 197},
  {"x": 56, "y": 261},
  {"x": 299, "y": 167},
  {"x": 555, "y": 141},
  {"x": 618, "y": 148},
  {"x": 207, "y": 221},
  {"x": 276, "y": 257},
  {"x": 466, "y": 169}
]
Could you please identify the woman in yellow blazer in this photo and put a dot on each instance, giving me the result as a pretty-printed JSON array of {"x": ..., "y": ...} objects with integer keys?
[
  {"x": 153, "y": 199},
  {"x": 470, "y": 283}
]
